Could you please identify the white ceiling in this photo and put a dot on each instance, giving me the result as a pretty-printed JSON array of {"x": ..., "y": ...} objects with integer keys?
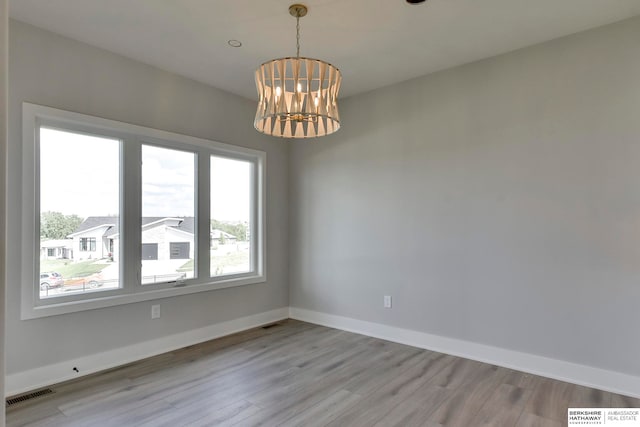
[{"x": 374, "y": 42}]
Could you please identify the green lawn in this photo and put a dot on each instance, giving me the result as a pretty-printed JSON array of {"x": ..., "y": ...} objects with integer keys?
[
  {"x": 69, "y": 269},
  {"x": 188, "y": 266},
  {"x": 222, "y": 261}
]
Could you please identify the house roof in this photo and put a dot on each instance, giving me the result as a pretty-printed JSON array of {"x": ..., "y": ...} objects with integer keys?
[
  {"x": 215, "y": 234},
  {"x": 57, "y": 243},
  {"x": 186, "y": 224},
  {"x": 94, "y": 222}
]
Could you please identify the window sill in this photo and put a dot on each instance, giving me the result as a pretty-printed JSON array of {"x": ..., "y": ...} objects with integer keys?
[{"x": 54, "y": 309}]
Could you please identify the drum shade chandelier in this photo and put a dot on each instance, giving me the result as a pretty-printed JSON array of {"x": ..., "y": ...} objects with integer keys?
[{"x": 297, "y": 96}]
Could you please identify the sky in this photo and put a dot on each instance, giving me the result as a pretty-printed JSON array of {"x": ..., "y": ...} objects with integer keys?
[
  {"x": 168, "y": 183},
  {"x": 79, "y": 175}
]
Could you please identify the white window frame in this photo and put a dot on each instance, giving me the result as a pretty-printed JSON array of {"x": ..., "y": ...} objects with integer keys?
[{"x": 132, "y": 137}]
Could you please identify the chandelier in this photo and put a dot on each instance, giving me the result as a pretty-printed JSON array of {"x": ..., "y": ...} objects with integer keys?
[{"x": 297, "y": 96}]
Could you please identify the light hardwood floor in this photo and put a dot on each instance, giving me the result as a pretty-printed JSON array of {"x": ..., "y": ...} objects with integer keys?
[{"x": 299, "y": 374}]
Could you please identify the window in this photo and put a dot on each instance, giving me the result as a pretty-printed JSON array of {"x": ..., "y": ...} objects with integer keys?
[
  {"x": 78, "y": 190},
  {"x": 179, "y": 250},
  {"x": 124, "y": 213},
  {"x": 230, "y": 216},
  {"x": 87, "y": 244},
  {"x": 168, "y": 203}
]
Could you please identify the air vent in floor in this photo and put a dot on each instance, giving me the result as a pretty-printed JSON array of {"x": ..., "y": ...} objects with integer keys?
[
  {"x": 273, "y": 325},
  {"x": 28, "y": 396}
]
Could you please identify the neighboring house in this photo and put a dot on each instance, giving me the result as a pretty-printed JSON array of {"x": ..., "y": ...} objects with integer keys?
[
  {"x": 90, "y": 239},
  {"x": 219, "y": 237},
  {"x": 163, "y": 238},
  {"x": 167, "y": 238},
  {"x": 56, "y": 249}
]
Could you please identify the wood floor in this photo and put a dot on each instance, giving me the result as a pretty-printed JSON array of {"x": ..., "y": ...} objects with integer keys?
[{"x": 299, "y": 374}]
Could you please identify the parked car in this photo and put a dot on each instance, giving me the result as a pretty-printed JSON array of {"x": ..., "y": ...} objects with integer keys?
[
  {"x": 92, "y": 281},
  {"x": 50, "y": 280}
]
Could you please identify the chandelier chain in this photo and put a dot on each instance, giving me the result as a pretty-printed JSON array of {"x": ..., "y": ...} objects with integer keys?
[{"x": 298, "y": 36}]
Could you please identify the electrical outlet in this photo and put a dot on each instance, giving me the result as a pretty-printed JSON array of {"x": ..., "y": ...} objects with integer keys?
[
  {"x": 387, "y": 301},
  {"x": 155, "y": 311}
]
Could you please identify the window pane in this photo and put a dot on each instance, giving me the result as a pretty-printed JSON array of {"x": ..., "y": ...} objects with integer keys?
[
  {"x": 230, "y": 216},
  {"x": 168, "y": 204},
  {"x": 79, "y": 208}
]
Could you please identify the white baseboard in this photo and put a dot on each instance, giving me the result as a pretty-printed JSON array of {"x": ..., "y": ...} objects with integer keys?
[
  {"x": 602, "y": 379},
  {"x": 538, "y": 365},
  {"x": 51, "y": 374}
]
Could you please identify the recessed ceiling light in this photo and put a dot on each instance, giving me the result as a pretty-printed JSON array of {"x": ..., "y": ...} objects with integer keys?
[{"x": 234, "y": 43}]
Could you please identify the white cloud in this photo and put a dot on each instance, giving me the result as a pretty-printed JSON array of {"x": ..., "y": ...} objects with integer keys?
[{"x": 80, "y": 175}]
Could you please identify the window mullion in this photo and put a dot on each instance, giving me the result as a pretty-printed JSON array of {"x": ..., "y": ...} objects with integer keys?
[
  {"x": 203, "y": 216},
  {"x": 130, "y": 215},
  {"x": 258, "y": 203}
]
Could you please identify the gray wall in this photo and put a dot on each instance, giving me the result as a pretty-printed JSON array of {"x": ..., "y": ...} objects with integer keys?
[
  {"x": 497, "y": 202},
  {"x": 51, "y": 70}
]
